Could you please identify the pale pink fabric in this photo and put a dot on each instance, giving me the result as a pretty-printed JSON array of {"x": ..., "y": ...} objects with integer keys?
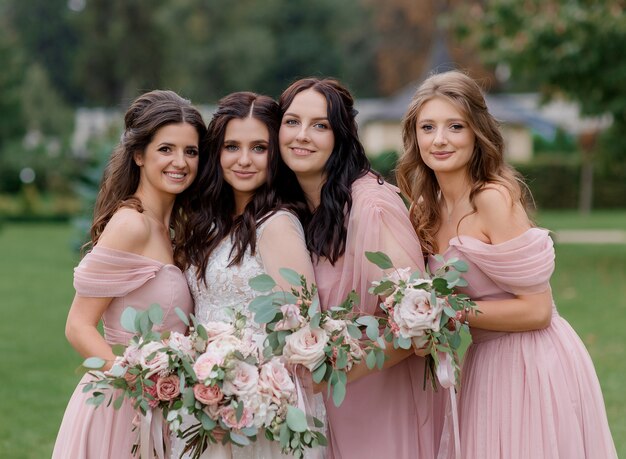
[
  {"x": 527, "y": 394},
  {"x": 387, "y": 414},
  {"x": 132, "y": 280}
]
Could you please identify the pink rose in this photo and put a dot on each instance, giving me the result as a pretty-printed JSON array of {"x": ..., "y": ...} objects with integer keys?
[
  {"x": 415, "y": 315},
  {"x": 132, "y": 355},
  {"x": 292, "y": 319},
  {"x": 229, "y": 416},
  {"x": 223, "y": 346},
  {"x": 153, "y": 400},
  {"x": 209, "y": 395},
  {"x": 181, "y": 343},
  {"x": 306, "y": 347},
  {"x": 168, "y": 388},
  {"x": 242, "y": 380},
  {"x": 275, "y": 380},
  {"x": 204, "y": 366}
]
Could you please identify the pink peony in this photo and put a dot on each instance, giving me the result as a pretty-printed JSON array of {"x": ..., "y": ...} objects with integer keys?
[
  {"x": 168, "y": 388},
  {"x": 306, "y": 347}
]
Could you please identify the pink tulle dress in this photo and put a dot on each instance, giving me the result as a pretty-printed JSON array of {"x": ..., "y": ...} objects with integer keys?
[
  {"x": 527, "y": 394},
  {"x": 386, "y": 414},
  {"x": 132, "y": 280}
]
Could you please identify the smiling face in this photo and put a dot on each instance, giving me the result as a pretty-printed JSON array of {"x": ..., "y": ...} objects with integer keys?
[
  {"x": 445, "y": 140},
  {"x": 306, "y": 138},
  {"x": 244, "y": 158},
  {"x": 169, "y": 163}
]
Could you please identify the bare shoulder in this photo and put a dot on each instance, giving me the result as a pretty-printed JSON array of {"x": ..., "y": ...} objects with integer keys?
[
  {"x": 128, "y": 230},
  {"x": 500, "y": 215}
]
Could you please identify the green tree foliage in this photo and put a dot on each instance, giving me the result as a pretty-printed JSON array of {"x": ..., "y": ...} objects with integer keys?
[
  {"x": 12, "y": 64},
  {"x": 571, "y": 48}
]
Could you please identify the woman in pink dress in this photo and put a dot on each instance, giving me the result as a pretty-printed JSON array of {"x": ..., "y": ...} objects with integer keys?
[
  {"x": 528, "y": 388},
  {"x": 144, "y": 193},
  {"x": 350, "y": 210}
]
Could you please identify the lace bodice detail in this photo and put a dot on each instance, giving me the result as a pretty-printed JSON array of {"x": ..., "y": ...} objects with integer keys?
[{"x": 227, "y": 286}]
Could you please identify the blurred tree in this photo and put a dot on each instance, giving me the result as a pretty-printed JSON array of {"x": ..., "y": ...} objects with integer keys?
[
  {"x": 570, "y": 48},
  {"x": 220, "y": 46},
  {"x": 12, "y": 122},
  {"x": 121, "y": 50}
]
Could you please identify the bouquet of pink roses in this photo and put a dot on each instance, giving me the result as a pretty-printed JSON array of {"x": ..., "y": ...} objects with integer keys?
[
  {"x": 231, "y": 387},
  {"x": 327, "y": 343},
  {"x": 422, "y": 311}
]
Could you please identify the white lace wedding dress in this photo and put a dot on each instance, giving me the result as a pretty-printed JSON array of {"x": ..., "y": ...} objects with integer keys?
[{"x": 280, "y": 243}]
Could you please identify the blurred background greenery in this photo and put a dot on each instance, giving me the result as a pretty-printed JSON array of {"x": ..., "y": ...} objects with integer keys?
[{"x": 553, "y": 71}]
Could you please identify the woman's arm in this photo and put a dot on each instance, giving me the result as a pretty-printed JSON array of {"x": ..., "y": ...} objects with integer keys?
[{"x": 500, "y": 219}]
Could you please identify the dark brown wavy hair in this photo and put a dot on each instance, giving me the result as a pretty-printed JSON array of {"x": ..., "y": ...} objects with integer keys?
[
  {"x": 212, "y": 217},
  {"x": 146, "y": 115},
  {"x": 325, "y": 227},
  {"x": 487, "y": 164}
]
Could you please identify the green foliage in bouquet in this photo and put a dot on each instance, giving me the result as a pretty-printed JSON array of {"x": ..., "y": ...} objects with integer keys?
[{"x": 336, "y": 333}]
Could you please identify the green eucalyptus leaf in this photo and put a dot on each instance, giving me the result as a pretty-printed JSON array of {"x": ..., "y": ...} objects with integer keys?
[
  {"x": 94, "y": 363},
  {"x": 315, "y": 307},
  {"x": 239, "y": 439},
  {"x": 127, "y": 319},
  {"x": 207, "y": 423},
  {"x": 319, "y": 373},
  {"x": 379, "y": 259},
  {"x": 118, "y": 349},
  {"x": 261, "y": 302},
  {"x": 182, "y": 316},
  {"x": 284, "y": 435},
  {"x": 262, "y": 283},
  {"x": 339, "y": 393},
  {"x": 380, "y": 359},
  {"x": 368, "y": 321},
  {"x": 266, "y": 314},
  {"x": 354, "y": 331},
  {"x": 404, "y": 343},
  {"x": 342, "y": 359},
  {"x": 370, "y": 360},
  {"x": 460, "y": 265},
  {"x": 296, "y": 419},
  {"x": 290, "y": 276},
  {"x": 155, "y": 312}
]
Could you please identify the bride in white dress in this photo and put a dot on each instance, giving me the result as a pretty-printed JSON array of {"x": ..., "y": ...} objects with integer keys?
[{"x": 239, "y": 231}]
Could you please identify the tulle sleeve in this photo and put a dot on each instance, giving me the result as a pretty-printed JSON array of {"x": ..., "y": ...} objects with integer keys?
[
  {"x": 379, "y": 221},
  {"x": 282, "y": 245},
  {"x": 105, "y": 272},
  {"x": 522, "y": 265}
]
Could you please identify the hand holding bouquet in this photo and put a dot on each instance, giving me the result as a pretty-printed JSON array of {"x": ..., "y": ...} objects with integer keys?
[
  {"x": 327, "y": 343},
  {"x": 422, "y": 311}
]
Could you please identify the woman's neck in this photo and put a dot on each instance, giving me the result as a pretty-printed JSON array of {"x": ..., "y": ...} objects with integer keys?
[
  {"x": 158, "y": 209},
  {"x": 455, "y": 190},
  {"x": 312, "y": 188}
]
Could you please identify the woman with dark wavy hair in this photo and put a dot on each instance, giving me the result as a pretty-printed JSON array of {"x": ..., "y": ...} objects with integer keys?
[
  {"x": 528, "y": 386},
  {"x": 239, "y": 229},
  {"x": 350, "y": 210},
  {"x": 143, "y": 199}
]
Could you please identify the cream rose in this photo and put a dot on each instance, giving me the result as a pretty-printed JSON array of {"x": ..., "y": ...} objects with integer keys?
[
  {"x": 181, "y": 343},
  {"x": 275, "y": 380},
  {"x": 415, "y": 315},
  {"x": 242, "y": 380},
  {"x": 153, "y": 359},
  {"x": 292, "y": 319},
  {"x": 306, "y": 347},
  {"x": 218, "y": 329},
  {"x": 204, "y": 365},
  {"x": 229, "y": 416}
]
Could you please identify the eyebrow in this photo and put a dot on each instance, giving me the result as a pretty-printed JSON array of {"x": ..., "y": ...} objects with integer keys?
[
  {"x": 252, "y": 141},
  {"x": 321, "y": 118},
  {"x": 449, "y": 120}
]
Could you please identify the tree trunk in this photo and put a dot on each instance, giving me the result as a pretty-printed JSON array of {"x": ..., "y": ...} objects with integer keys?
[{"x": 585, "y": 199}]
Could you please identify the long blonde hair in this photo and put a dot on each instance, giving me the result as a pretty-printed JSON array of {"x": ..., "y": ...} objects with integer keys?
[{"x": 487, "y": 165}]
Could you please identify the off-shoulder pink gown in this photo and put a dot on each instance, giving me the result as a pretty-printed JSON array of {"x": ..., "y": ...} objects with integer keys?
[
  {"x": 132, "y": 280},
  {"x": 527, "y": 394},
  {"x": 386, "y": 414}
]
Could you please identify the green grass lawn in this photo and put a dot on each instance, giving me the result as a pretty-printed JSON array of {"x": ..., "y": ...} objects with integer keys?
[
  {"x": 570, "y": 219},
  {"x": 37, "y": 372}
]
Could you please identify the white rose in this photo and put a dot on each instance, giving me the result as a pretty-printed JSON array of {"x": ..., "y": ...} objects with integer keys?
[
  {"x": 242, "y": 381},
  {"x": 275, "y": 380},
  {"x": 224, "y": 346},
  {"x": 415, "y": 315},
  {"x": 400, "y": 274},
  {"x": 218, "y": 329},
  {"x": 181, "y": 343},
  {"x": 333, "y": 325},
  {"x": 132, "y": 355},
  {"x": 292, "y": 319},
  {"x": 154, "y": 360},
  {"x": 306, "y": 347}
]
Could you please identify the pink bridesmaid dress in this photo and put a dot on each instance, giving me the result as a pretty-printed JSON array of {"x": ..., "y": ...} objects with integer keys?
[
  {"x": 386, "y": 414},
  {"x": 527, "y": 394},
  {"x": 132, "y": 280}
]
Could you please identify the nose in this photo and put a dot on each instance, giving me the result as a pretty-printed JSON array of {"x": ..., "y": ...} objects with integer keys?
[
  {"x": 302, "y": 135},
  {"x": 440, "y": 137},
  {"x": 178, "y": 159},
  {"x": 244, "y": 158}
]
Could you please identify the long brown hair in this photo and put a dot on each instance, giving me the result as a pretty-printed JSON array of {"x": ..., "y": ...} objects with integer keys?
[
  {"x": 325, "y": 227},
  {"x": 487, "y": 164},
  {"x": 146, "y": 115},
  {"x": 212, "y": 217}
]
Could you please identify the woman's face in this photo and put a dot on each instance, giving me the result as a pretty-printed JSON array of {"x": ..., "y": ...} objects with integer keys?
[
  {"x": 445, "y": 140},
  {"x": 306, "y": 138},
  {"x": 244, "y": 158},
  {"x": 169, "y": 163}
]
